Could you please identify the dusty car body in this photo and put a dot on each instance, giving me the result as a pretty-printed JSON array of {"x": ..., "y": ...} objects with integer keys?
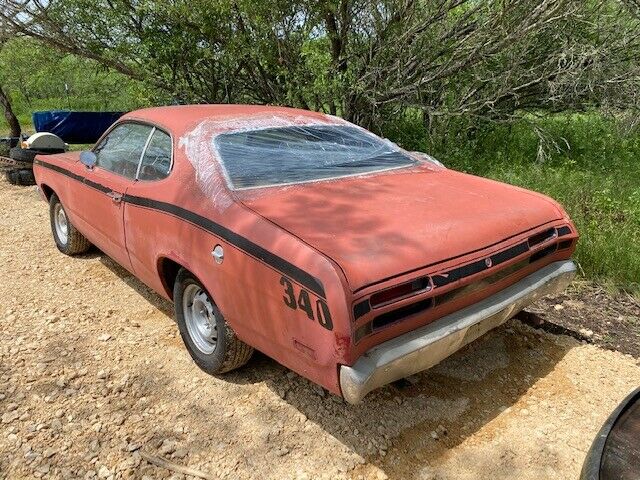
[{"x": 338, "y": 254}]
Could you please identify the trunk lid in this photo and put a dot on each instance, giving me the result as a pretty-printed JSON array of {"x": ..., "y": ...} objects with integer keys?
[{"x": 381, "y": 226}]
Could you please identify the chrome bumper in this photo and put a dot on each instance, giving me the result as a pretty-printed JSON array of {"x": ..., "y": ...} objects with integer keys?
[{"x": 425, "y": 347}]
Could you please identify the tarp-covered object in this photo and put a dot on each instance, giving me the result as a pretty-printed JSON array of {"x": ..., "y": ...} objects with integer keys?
[{"x": 75, "y": 127}]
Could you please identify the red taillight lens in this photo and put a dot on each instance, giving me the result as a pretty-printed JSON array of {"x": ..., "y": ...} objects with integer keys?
[
  {"x": 404, "y": 290},
  {"x": 542, "y": 237}
]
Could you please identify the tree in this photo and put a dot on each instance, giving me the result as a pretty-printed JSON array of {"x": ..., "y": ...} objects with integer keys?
[
  {"x": 12, "y": 120},
  {"x": 39, "y": 77},
  {"x": 363, "y": 59},
  {"x": 10, "y": 117}
]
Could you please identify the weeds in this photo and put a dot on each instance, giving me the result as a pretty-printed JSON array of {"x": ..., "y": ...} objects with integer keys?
[{"x": 593, "y": 169}]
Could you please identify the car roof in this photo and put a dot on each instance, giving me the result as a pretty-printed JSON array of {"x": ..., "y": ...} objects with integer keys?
[{"x": 182, "y": 118}]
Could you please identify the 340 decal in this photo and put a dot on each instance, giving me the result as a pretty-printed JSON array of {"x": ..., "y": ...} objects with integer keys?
[{"x": 302, "y": 301}]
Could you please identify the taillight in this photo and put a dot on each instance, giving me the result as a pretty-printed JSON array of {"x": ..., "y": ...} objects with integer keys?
[
  {"x": 542, "y": 237},
  {"x": 565, "y": 244},
  {"x": 401, "y": 291}
]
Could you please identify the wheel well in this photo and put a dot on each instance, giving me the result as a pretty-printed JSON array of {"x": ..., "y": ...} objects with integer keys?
[
  {"x": 168, "y": 270},
  {"x": 47, "y": 191}
]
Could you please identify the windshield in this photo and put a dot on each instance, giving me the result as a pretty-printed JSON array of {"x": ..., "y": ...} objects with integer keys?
[{"x": 299, "y": 154}]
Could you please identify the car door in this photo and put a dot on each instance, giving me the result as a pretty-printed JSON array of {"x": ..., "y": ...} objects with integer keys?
[
  {"x": 147, "y": 229},
  {"x": 118, "y": 157}
]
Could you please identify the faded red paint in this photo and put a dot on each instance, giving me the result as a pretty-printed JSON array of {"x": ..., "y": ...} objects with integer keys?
[
  {"x": 356, "y": 236},
  {"x": 380, "y": 226}
]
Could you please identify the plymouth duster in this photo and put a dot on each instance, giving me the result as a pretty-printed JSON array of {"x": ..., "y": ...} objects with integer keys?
[{"x": 337, "y": 253}]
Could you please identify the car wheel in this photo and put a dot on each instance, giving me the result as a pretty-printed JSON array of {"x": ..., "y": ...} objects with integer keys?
[
  {"x": 68, "y": 240},
  {"x": 212, "y": 343},
  {"x": 20, "y": 176}
]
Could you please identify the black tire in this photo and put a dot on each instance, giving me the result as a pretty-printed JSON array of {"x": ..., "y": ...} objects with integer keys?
[
  {"x": 11, "y": 177},
  {"x": 75, "y": 243},
  {"x": 10, "y": 142},
  {"x": 229, "y": 352},
  {"x": 28, "y": 154},
  {"x": 20, "y": 176}
]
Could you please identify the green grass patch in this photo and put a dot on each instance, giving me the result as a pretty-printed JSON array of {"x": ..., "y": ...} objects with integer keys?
[{"x": 595, "y": 175}]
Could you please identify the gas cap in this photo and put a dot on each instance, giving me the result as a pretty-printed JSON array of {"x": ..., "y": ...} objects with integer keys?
[{"x": 218, "y": 254}]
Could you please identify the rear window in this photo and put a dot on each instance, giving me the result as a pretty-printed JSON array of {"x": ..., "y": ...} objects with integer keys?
[{"x": 299, "y": 154}]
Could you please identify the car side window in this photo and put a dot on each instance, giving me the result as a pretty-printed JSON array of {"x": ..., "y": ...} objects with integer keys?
[
  {"x": 120, "y": 151},
  {"x": 156, "y": 162}
]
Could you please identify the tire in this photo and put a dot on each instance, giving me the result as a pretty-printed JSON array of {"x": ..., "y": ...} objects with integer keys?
[
  {"x": 11, "y": 177},
  {"x": 10, "y": 142},
  {"x": 21, "y": 176},
  {"x": 73, "y": 243},
  {"x": 190, "y": 301},
  {"x": 28, "y": 154}
]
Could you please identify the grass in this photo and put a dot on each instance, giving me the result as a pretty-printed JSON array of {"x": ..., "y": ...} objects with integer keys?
[{"x": 595, "y": 176}]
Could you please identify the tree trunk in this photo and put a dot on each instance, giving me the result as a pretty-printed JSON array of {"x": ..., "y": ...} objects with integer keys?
[{"x": 12, "y": 120}]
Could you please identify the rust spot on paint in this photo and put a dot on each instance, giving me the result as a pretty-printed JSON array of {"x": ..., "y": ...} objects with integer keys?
[{"x": 343, "y": 344}]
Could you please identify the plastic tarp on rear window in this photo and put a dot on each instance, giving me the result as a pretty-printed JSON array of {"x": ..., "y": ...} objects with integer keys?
[
  {"x": 304, "y": 153},
  {"x": 75, "y": 127}
]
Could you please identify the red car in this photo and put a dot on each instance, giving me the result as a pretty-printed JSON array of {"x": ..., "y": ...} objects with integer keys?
[{"x": 345, "y": 258}]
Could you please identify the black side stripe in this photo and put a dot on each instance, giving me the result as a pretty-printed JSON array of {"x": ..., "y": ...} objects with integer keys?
[
  {"x": 278, "y": 263},
  {"x": 69, "y": 174},
  {"x": 235, "y": 239}
]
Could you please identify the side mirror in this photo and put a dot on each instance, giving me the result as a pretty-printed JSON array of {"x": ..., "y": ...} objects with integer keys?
[{"x": 88, "y": 159}]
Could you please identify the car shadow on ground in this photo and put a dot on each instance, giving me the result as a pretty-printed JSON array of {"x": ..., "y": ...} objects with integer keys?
[
  {"x": 154, "y": 300},
  {"x": 404, "y": 426}
]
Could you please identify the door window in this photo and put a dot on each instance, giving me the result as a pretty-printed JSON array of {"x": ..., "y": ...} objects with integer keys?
[
  {"x": 156, "y": 162},
  {"x": 120, "y": 151}
]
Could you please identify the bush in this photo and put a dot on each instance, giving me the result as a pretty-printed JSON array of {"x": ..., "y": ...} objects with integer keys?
[{"x": 593, "y": 171}]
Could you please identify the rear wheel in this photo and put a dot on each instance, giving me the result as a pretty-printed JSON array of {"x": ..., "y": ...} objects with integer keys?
[
  {"x": 211, "y": 342},
  {"x": 68, "y": 240}
]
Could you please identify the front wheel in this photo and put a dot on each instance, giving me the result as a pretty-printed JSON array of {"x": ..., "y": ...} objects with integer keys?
[
  {"x": 212, "y": 343},
  {"x": 68, "y": 240}
]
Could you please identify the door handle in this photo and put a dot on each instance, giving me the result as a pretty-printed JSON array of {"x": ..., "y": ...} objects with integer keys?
[{"x": 115, "y": 196}]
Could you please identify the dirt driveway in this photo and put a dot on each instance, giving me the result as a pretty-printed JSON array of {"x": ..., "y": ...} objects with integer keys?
[{"x": 93, "y": 372}]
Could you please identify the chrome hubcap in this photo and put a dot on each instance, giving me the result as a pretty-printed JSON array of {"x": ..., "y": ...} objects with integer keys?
[
  {"x": 61, "y": 224},
  {"x": 200, "y": 319}
]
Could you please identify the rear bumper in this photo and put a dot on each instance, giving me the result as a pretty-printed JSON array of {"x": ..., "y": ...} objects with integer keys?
[{"x": 425, "y": 347}]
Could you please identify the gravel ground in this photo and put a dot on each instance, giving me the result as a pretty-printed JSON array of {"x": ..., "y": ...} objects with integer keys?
[
  {"x": 609, "y": 320},
  {"x": 93, "y": 377}
]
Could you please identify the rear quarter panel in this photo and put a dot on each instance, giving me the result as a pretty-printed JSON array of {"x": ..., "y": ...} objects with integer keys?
[{"x": 249, "y": 290}]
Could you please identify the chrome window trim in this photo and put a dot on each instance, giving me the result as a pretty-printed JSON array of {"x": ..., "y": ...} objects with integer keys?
[
  {"x": 159, "y": 129},
  {"x": 153, "y": 127},
  {"x": 144, "y": 150}
]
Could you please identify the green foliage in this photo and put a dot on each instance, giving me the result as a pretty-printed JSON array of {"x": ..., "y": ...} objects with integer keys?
[
  {"x": 367, "y": 61},
  {"x": 594, "y": 173},
  {"x": 37, "y": 77}
]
